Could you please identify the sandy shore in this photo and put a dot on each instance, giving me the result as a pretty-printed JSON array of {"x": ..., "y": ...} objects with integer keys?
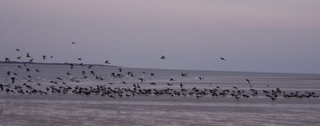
[{"x": 197, "y": 108}]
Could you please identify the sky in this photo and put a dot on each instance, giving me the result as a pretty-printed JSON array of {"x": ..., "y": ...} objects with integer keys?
[{"x": 257, "y": 36}]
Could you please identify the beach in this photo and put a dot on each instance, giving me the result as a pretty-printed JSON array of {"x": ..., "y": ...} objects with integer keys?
[{"x": 211, "y": 102}]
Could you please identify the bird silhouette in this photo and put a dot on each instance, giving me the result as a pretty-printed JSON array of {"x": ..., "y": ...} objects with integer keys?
[
  {"x": 73, "y": 43},
  {"x": 7, "y": 60},
  {"x": 141, "y": 80},
  {"x": 222, "y": 58},
  {"x": 184, "y": 74},
  {"x": 248, "y": 81},
  {"x": 107, "y": 62},
  {"x": 163, "y": 57},
  {"x": 18, "y": 50},
  {"x": 28, "y": 55},
  {"x": 13, "y": 80},
  {"x": 71, "y": 65}
]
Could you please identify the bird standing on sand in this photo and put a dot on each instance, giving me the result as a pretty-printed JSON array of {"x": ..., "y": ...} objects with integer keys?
[
  {"x": 44, "y": 57},
  {"x": 7, "y": 60},
  {"x": 13, "y": 80},
  {"x": 141, "y": 80},
  {"x": 181, "y": 85},
  {"x": 71, "y": 65}
]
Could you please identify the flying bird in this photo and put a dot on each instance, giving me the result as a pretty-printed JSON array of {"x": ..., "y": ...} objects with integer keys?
[
  {"x": 222, "y": 58},
  {"x": 248, "y": 81},
  {"x": 163, "y": 57},
  {"x": 73, "y": 43},
  {"x": 28, "y": 55},
  {"x": 184, "y": 74}
]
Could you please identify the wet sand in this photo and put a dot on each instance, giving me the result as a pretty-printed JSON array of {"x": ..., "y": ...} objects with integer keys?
[{"x": 78, "y": 109}]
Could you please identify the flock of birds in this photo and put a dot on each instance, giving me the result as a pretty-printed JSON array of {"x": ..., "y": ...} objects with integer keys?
[{"x": 67, "y": 84}]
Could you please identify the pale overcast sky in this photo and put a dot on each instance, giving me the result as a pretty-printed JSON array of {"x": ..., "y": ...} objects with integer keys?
[{"x": 253, "y": 35}]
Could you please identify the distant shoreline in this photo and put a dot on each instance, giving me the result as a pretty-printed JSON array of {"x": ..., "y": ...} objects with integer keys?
[{"x": 102, "y": 65}]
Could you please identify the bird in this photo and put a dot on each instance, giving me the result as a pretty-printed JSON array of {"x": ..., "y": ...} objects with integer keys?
[
  {"x": 28, "y": 55},
  {"x": 44, "y": 57},
  {"x": 71, "y": 65},
  {"x": 19, "y": 57},
  {"x": 107, "y": 62},
  {"x": 184, "y": 74},
  {"x": 201, "y": 78},
  {"x": 79, "y": 58},
  {"x": 141, "y": 80},
  {"x": 12, "y": 80},
  {"x": 222, "y": 58},
  {"x": 30, "y": 61},
  {"x": 248, "y": 81},
  {"x": 163, "y": 57},
  {"x": 73, "y": 43},
  {"x": 7, "y": 60}
]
